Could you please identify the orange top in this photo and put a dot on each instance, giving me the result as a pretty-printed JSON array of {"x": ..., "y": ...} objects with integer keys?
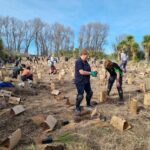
[{"x": 25, "y": 72}]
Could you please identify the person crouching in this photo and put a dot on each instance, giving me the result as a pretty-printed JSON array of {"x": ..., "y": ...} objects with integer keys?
[{"x": 26, "y": 75}]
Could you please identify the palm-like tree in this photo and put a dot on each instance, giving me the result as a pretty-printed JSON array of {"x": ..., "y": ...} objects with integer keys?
[
  {"x": 134, "y": 50},
  {"x": 122, "y": 45},
  {"x": 130, "y": 46},
  {"x": 146, "y": 45},
  {"x": 129, "y": 40}
]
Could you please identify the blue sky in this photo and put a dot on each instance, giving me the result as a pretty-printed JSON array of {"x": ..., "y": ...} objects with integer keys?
[{"x": 122, "y": 16}]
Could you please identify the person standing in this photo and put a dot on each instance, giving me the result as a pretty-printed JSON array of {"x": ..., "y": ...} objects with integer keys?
[
  {"x": 51, "y": 65},
  {"x": 116, "y": 73},
  {"x": 18, "y": 61},
  {"x": 16, "y": 71},
  {"x": 82, "y": 80},
  {"x": 124, "y": 59}
]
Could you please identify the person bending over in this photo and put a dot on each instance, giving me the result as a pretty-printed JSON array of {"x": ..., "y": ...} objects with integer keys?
[{"x": 116, "y": 73}]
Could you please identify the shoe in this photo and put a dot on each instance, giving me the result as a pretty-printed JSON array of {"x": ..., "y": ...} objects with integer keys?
[
  {"x": 120, "y": 102},
  {"x": 21, "y": 84},
  {"x": 89, "y": 108},
  {"x": 77, "y": 112},
  {"x": 30, "y": 82}
]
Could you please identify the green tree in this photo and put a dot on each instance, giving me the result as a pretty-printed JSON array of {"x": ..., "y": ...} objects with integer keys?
[
  {"x": 122, "y": 45},
  {"x": 130, "y": 46},
  {"x": 134, "y": 50},
  {"x": 140, "y": 55},
  {"x": 146, "y": 46},
  {"x": 1, "y": 44},
  {"x": 130, "y": 41}
]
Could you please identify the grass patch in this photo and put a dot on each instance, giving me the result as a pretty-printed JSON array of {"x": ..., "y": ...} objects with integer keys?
[
  {"x": 30, "y": 147},
  {"x": 67, "y": 138}
]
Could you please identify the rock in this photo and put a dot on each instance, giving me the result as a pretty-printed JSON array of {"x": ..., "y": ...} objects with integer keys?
[{"x": 55, "y": 92}]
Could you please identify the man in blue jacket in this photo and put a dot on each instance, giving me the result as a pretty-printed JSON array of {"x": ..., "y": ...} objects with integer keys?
[{"x": 82, "y": 80}]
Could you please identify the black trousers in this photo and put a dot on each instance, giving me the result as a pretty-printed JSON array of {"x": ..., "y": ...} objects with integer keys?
[
  {"x": 15, "y": 74},
  {"x": 26, "y": 77},
  {"x": 81, "y": 87},
  {"x": 111, "y": 81}
]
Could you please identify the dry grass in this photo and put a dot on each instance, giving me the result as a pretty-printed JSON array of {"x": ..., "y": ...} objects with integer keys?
[{"x": 83, "y": 136}]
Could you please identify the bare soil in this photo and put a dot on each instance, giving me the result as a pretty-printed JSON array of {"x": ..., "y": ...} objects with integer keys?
[{"x": 84, "y": 135}]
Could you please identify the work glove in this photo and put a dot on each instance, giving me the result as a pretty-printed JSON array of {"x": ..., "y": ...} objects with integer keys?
[{"x": 94, "y": 73}]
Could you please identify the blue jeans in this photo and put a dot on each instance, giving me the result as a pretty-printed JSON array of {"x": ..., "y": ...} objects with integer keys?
[{"x": 81, "y": 87}]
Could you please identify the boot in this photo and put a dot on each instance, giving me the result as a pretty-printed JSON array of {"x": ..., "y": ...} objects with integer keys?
[
  {"x": 121, "y": 100},
  {"x": 88, "y": 99},
  {"x": 78, "y": 102}
]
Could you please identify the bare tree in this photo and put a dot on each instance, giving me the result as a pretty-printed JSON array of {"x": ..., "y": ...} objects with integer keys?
[
  {"x": 38, "y": 25},
  {"x": 68, "y": 39},
  {"x": 6, "y": 33},
  {"x": 11, "y": 30},
  {"x": 45, "y": 39},
  {"x": 58, "y": 36},
  {"x": 17, "y": 34},
  {"x": 81, "y": 37},
  {"x": 29, "y": 34},
  {"x": 93, "y": 36}
]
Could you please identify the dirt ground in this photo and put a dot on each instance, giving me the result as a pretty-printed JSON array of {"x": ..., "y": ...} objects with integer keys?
[{"x": 84, "y": 135}]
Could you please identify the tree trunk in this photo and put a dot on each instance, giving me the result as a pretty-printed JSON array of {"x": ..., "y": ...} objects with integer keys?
[
  {"x": 134, "y": 56},
  {"x": 147, "y": 56},
  {"x": 118, "y": 55},
  {"x": 26, "y": 49}
]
